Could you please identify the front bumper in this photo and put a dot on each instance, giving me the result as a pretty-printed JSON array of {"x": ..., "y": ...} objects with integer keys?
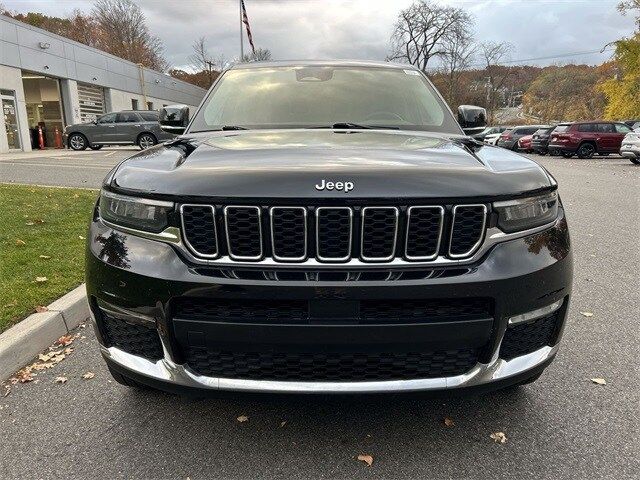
[
  {"x": 632, "y": 151},
  {"x": 139, "y": 280}
]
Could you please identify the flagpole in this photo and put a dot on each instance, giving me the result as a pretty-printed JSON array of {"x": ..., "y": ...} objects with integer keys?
[{"x": 241, "y": 39}]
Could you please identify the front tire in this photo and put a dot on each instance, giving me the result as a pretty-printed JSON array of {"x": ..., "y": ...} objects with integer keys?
[
  {"x": 586, "y": 150},
  {"x": 78, "y": 142},
  {"x": 146, "y": 140}
]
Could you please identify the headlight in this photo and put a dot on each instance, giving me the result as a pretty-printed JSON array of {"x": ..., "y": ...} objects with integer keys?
[
  {"x": 132, "y": 212},
  {"x": 522, "y": 214}
]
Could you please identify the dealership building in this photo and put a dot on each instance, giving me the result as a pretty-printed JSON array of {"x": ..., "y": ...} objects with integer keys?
[{"x": 49, "y": 81}]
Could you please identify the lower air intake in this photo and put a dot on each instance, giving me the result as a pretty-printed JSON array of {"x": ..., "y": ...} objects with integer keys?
[{"x": 318, "y": 367}]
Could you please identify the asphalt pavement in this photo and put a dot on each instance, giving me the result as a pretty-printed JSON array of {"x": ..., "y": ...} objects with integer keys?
[
  {"x": 63, "y": 168},
  {"x": 562, "y": 426}
]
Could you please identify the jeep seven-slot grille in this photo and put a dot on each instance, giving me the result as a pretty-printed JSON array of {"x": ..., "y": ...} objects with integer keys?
[{"x": 334, "y": 234}]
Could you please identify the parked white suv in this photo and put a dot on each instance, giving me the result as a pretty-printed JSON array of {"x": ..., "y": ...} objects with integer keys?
[{"x": 631, "y": 146}]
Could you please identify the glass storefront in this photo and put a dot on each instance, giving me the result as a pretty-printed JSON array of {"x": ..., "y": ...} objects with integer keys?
[
  {"x": 10, "y": 115},
  {"x": 44, "y": 108}
]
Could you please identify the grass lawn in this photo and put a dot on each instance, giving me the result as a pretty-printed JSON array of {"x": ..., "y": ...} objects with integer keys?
[{"x": 42, "y": 241}]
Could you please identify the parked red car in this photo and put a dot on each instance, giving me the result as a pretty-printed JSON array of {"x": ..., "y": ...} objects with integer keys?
[
  {"x": 585, "y": 139},
  {"x": 524, "y": 143}
]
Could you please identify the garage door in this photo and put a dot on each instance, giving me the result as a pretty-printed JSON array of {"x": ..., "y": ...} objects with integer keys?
[{"x": 91, "y": 102}]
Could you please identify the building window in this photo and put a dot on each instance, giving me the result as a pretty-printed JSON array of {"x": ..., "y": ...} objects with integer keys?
[
  {"x": 134, "y": 104},
  {"x": 149, "y": 105}
]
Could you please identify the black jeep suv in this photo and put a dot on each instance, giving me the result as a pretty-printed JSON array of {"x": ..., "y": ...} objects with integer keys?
[{"x": 327, "y": 227}]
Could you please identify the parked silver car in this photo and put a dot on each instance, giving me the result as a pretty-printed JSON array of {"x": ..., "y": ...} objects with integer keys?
[
  {"x": 128, "y": 127},
  {"x": 631, "y": 146}
]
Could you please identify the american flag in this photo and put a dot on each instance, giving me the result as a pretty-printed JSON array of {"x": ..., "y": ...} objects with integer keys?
[{"x": 245, "y": 20}]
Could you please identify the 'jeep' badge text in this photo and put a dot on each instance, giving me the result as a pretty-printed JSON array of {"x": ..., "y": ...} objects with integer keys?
[{"x": 344, "y": 186}]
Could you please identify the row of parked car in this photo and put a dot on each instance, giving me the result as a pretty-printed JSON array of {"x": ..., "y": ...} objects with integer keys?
[{"x": 583, "y": 139}]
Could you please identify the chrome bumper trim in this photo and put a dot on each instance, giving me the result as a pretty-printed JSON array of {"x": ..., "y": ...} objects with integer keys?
[{"x": 167, "y": 371}]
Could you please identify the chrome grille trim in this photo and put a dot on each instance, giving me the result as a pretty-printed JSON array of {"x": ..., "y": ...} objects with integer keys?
[
  {"x": 395, "y": 235},
  {"x": 440, "y": 230},
  {"x": 482, "y": 230},
  {"x": 273, "y": 250},
  {"x": 184, "y": 230},
  {"x": 333, "y": 259},
  {"x": 226, "y": 229}
]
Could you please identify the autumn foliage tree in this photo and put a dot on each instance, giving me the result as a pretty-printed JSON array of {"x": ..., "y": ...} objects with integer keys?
[
  {"x": 567, "y": 93},
  {"x": 623, "y": 89}
]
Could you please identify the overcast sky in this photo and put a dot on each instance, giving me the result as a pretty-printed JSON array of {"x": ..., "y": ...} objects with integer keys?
[{"x": 360, "y": 29}]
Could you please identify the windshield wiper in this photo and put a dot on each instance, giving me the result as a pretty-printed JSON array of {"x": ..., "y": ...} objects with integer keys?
[
  {"x": 346, "y": 125},
  {"x": 232, "y": 127}
]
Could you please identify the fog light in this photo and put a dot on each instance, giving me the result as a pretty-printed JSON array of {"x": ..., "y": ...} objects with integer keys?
[{"x": 538, "y": 313}]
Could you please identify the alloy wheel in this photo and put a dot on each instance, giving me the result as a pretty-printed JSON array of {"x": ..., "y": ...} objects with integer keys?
[
  {"x": 77, "y": 142},
  {"x": 146, "y": 141}
]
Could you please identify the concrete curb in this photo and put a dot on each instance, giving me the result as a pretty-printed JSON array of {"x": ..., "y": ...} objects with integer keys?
[{"x": 25, "y": 340}]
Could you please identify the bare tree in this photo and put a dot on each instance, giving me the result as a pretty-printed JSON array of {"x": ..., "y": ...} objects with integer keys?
[
  {"x": 260, "y": 55},
  {"x": 421, "y": 30},
  {"x": 203, "y": 61},
  {"x": 124, "y": 33},
  {"x": 626, "y": 6},
  {"x": 492, "y": 54},
  {"x": 458, "y": 50}
]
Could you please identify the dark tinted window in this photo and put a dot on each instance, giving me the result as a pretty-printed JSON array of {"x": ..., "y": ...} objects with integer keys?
[
  {"x": 108, "y": 118},
  {"x": 606, "y": 128},
  {"x": 128, "y": 117},
  {"x": 587, "y": 127},
  {"x": 149, "y": 116}
]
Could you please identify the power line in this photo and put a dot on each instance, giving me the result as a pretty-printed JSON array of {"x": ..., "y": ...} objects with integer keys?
[{"x": 550, "y": 57}]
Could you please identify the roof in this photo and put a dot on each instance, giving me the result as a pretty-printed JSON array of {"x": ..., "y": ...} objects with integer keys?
[{"x": 323, "y": 63}]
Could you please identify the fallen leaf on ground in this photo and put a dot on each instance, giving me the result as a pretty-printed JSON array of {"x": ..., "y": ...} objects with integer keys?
[
  {"x": 12, "y": 304},
  {"x": 20, "y": 243},
  {"x": 75, "y": 195},
  {"x": 368, "y": 459},
  {"x": 81, "y": 237},
  {"x": 242, "y": 418},
  {"x": 23, "y": 376},
  {"x": 61, "y": 379},
  {"x": 45, "y": 257},
  {"x": 41, "y": 279},
  {"x": 599, "y": 381},
  {"x": 65, "y": 340},
  {"x": 586, "y": 314},
  {"x": 88, "y": 375},
  {"x": 499, "y": 437},
  {"x": 41, "y": 309},
  {"x": 448, "y": 422},
  {"x": 29, "y": 223},
  {"x": 283, "y": 423},
  {"x": 7, "y": 390}
]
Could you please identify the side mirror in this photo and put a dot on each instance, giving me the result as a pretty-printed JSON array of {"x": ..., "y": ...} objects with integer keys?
[
  {"x": 174, "y": 118},
  {"x": 472, "y": 119}
]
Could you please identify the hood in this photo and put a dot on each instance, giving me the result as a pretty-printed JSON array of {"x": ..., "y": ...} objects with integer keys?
[{"x": 291, "y": 163}]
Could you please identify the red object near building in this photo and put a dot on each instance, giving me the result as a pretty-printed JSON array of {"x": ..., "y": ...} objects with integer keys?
[
  {"x": 57, "y": 138},
  {"x": 40, "y": 138}
]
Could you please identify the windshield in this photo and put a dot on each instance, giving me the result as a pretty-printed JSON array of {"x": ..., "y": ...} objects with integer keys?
[{"x": 303, "y": 97}]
